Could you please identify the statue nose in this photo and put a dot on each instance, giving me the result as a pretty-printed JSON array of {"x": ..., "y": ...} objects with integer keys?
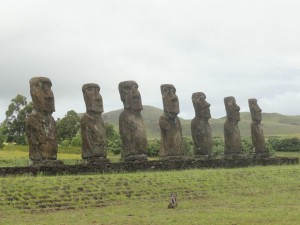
[
  {"x": 98, "y": 97},
  {"x": 206, "y": 104},
  {"x": 49, "y": 95},
  {"x": 174, "y": 98}
]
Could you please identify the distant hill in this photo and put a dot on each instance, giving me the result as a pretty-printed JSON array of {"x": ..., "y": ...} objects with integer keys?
[
  {"x": 274, "y": 124},
  {"x": 150, "y": 114}
]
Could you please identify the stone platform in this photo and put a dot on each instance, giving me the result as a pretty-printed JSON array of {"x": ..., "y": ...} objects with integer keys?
[{"x": 155, "y": 165}]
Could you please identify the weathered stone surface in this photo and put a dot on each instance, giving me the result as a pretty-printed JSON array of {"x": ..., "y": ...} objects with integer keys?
[
  {"x": 131, "y": 123},
  {"x": 257, "y": 134},
  {"x": 200, "y": 128},
  {"x": 170, "y": 126},
  {"x": 40, "y": 125},
  {"x": 151, "y": 165},
  {"x": 233, "y": 146},
  {"x": 93, "y": 132}
]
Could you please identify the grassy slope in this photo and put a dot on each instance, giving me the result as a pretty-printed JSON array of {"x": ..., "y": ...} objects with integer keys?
[
  {"x": 274, "y": 124},
  {"x": 260, "y": 195}
]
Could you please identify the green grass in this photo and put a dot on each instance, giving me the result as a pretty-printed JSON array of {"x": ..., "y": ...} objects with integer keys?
[
  {"x": 288, "y": 154},
  {"x": 256, "y": 195},
  {"x": 17, "y": 155}
]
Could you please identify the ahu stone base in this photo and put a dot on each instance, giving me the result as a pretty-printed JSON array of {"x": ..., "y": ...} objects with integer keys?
[{"x": 155, "y": 165}]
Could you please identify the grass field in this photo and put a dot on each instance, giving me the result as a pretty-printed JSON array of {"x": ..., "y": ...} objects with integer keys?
[
  {"x": 255, "y": 195},
  {"x": 17, "y": 155},
  {"x": 260, "y": 195}
]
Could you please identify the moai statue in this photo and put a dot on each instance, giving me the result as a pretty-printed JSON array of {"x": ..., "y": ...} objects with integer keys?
[
  {"x": 170, "y": 127},
  {"x": 40, "y": 125},
  {"x": 258, "y": 139},
  {"x": 200, "y": 128},
  {"x": 92, "y": 126},
  {"x": 233, "y": 145},
  {"x": 131, "y": 123}
]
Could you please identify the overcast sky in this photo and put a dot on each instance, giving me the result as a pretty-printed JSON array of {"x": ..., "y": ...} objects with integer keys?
[{"x": 242, "y": 48}]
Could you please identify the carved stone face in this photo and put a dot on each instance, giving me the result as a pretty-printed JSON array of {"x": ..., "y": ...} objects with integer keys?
[
  {"x": 170, "y": 100},
  {"x": 130, "y": 95},
  {"x": 255, "y": 110},
  {"x": 201, "y": 106},
  {"x": 92, "y": 98},
  {"x": 232, "y": 109},
  {"x": 42, "y": 95}
]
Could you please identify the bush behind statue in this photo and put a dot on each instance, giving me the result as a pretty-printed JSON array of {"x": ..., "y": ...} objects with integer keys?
[
  {"x": 1, "y": 142},
  {"x": 285, "y": 144}
]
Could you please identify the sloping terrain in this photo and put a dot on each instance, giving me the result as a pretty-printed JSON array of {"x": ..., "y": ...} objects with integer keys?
[{"x": 274, "y": 124}]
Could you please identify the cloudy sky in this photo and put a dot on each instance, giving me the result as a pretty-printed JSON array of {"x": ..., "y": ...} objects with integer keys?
[{"x": 242, "y": 48}]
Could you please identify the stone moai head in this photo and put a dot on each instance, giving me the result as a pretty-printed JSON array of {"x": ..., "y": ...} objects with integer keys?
[
  {"x": 41, "y": 94},
  {"x": 170, "y": 100},
  {"x": 92, "y": 98},
  {"x": 201, "y": 106},
  {"x": 255, "y": 110},
  {"x": 130, "y": 95},
  {"x": 232, "y": 109}
]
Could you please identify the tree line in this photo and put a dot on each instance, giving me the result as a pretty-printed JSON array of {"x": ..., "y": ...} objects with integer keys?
[{"x": 12, "y": 130}]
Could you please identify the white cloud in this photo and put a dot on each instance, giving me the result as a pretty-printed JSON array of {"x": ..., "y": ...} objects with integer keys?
[
  {"x": 286, "y": 103},
  {"x": 248, "y": 49}
]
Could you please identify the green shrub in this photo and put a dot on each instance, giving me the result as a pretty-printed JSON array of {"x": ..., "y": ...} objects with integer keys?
[
  {"x": 153, "y": 148},
  {"x": 218, "y": 146},
  {"x": 270, "y": 148},
  {"x": 77, "y": 140},
  {"x": 1, "y": 142},
  {"x": 115, "y": 148},
  {"x": 114, "y": 143},
  {"x": 188, "y": 146},
  {"x": 285, "y": 144},
  {"x": 247, "y": 147},
  {"x": 65, "y": 143},
  {"x": 68, "y": 126}
]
